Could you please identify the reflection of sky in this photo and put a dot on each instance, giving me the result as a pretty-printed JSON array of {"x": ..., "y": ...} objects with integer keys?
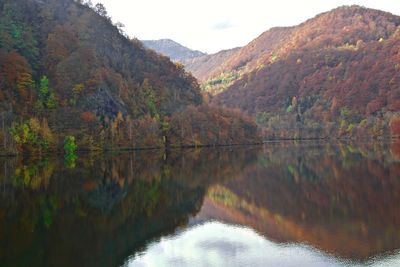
[{"x": 217, "y": 244}]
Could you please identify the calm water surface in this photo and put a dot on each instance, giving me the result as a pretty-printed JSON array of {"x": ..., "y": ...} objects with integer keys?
[{"x": 282, "y": 204}]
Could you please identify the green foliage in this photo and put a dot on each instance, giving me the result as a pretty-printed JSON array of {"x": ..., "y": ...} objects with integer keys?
[
  {"x": 273, "y": 59},
  {"x": 25, "y": 81},
  {"x": 294, "y": 102},
  {"x": 363, "y": 123},
  {"x": 220, "y": 83},
  {"x": 344, "y": 113},
  {"x": 44, "y": 88},
  {"x": 149, "y": 97},
  {"x": 18, "y": 35},
  {"x": 343, "y": 125},
  {"x": 70, "y": 160},
  {"x": 47, "y": 98},
  {"x": 70, "y": 150},
  {"x": 262, "y": 118},
  {"x": 76, "y": 92},
  {"x": 51, "y": 102},
  {"x": 69, "y": 145},
  {"x": 47, "y": 218},
  {"x": 350, "y": 116},
  {"x": 34, "y": 175},
  {"x": 350, "y": 128},
  {"x": 33, "y": 135}
]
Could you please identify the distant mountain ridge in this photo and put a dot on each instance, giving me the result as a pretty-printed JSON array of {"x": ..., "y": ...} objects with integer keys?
[{"x": 172, "y": 49}]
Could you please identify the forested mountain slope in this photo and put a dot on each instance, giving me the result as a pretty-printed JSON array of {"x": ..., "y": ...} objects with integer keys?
[
  {"x": 65, "y": 69},
  {"x": 341, "y": 26},
  {"x": 200, "y": 67},
  {"x": 335, "y": 75}
]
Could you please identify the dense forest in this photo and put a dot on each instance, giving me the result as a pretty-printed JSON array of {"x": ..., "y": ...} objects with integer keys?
[
  {"x": 336, "y": 75},
  {"x": 70, "y": 76}
]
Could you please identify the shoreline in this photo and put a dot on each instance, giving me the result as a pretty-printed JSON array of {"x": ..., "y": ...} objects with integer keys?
[{"x": 185, "y": 147}]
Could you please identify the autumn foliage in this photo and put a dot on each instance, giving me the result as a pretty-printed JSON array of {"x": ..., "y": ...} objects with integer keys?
[
  {"x": 395, "y": 126},
  {"x": 66, "y": 63},
  {"x": 342, "y": 67}
]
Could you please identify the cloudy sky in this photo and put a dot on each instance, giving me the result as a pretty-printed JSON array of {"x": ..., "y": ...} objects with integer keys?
[{"x": 213, "y": 25}]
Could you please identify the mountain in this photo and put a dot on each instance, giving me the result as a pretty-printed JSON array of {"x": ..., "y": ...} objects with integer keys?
[
  {"x": 172, "y": 49},
  {"x": 66, "y": 72},
  {"x": 200, "y": 66},
  {"x": 336, "y": 75}
]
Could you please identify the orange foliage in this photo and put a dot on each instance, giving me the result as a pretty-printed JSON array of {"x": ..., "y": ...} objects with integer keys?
[
  {"x": 395, "y": 126},
  {"x": 13, "y": 66},
  {"x": 394, "y": 106},
  {"x": 88, "y": 116},
  {"x": 334, "y": 73},
  {"x": 205, "y": 125},
  {"x": 395, "y": 150},
  {"x": 90, "y": 185},
  {"x": 341, "y": 26}
]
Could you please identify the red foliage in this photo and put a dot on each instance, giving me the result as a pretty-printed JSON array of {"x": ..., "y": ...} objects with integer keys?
[
  {"x": 395, "y": 149},
  {"x": 88, "y": 116},
  {"x": 394, "y": 106},
  {"x": 12, "y": 65},
  {"x": 205, "y": 125},
  {"x": 395, "y": 126},
  {"x": 345, "y": 25},
  {"x": 332, "y": 62}
]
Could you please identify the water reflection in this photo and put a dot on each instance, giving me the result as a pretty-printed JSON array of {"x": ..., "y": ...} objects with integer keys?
[
  {"x": 324, "y": 196},
  {"x": 108, "y": 210},
  {"x": 93, "y": 215},
  {"x": 217, "y": 244}
]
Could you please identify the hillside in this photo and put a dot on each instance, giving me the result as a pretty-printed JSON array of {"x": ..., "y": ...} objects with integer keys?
[
  {"x": 200, "y": 66},
  {"x": 172, "y": 49},
  {"x": 335, "y": 75},
  {"x": 66, "y": 70}
]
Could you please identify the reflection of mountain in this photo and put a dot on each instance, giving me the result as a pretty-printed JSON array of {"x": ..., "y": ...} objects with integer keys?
[
  {"x": 326, "y": 198},
  {"x": 103, "y": 210},
  {"x": 110, "y": 207}
]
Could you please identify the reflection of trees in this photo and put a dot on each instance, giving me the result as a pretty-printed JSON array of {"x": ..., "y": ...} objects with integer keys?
[
  {"x": 109, "y": 206},
  {"x": 340, "y": 194},
  {"x": 104, "y": 209}
]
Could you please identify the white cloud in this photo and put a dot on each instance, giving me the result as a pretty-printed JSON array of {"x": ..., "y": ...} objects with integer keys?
[
  {"x": 193, "y": 23},
  {"x": 223, "y": 25}
]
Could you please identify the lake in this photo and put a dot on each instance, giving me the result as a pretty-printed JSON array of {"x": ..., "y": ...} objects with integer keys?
[{"x": 281, "y": 204}]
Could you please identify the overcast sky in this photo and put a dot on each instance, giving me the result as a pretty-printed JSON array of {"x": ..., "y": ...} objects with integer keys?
[{"x": 213, "y": 25}]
